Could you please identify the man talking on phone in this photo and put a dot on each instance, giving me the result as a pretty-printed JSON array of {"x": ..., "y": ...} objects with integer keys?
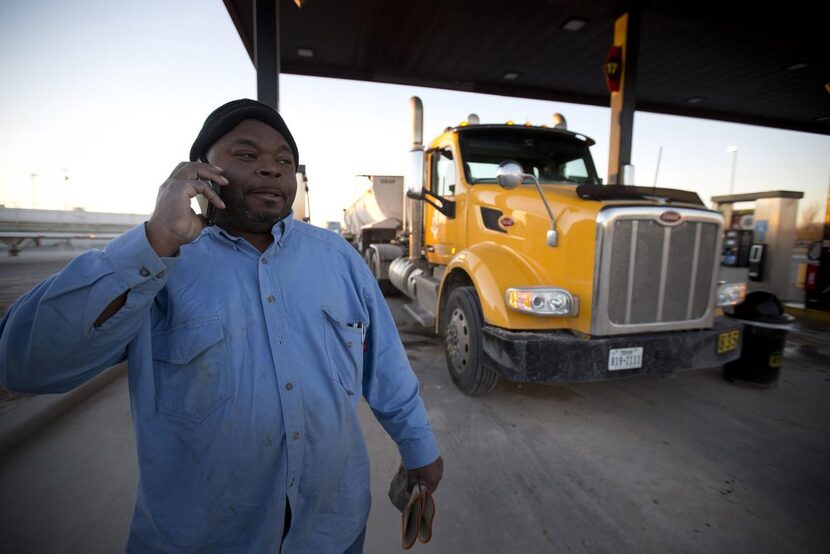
[{"x": 249, "y": 344}]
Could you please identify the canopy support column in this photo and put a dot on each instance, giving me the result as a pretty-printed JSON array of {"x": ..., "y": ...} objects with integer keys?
[
  {"x": 267, "y": 51},
  {"x": 623, "y": 102}
]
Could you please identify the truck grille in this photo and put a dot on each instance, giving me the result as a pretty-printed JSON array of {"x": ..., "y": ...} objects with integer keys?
[{"x": 652, "y": 276}]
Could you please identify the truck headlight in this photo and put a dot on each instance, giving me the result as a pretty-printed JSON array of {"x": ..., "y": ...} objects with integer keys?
[
  {"x": 730, "y": 294},
  {"x": 542, "y": 301}
]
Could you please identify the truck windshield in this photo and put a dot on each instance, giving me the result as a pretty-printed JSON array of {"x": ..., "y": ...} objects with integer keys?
[{"x": 550, "y": 156}]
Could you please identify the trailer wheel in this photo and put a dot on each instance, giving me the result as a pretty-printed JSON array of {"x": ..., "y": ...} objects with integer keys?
[
  {"x": 461, "y": 330},
  {"x": 373, "y": 262}
]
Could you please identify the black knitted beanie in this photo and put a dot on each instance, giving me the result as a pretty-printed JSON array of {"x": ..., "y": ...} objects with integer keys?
[{"x": 226, "y": 117}]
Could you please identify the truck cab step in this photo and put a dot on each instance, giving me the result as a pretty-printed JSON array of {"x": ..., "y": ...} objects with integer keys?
[{"x": 419, "y": 314}]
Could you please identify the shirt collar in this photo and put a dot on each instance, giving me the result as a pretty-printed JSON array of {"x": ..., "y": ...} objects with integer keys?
[
  {"x": 282, "y": 227},
  {"x": 280, "y": 231}
]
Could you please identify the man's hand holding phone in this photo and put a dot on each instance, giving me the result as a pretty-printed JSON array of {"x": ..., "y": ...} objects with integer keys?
[{"x": 174, "y": 222}]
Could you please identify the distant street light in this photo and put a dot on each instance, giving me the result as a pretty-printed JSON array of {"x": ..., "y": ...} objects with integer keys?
[
  {"x": 65, "y": 189},
  {"x": 34, "y": 177},
  {"x": 734, "y": 151}
]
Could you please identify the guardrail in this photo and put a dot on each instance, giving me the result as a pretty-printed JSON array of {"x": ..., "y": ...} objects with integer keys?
[{"x": 19, "y": 225}]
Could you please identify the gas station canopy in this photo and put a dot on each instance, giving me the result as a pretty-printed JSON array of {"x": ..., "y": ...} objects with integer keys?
[{"x": 728, "y": 61}]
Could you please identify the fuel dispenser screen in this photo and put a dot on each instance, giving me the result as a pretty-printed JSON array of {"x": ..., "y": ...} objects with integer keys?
[{"x": 736, "y": 247}]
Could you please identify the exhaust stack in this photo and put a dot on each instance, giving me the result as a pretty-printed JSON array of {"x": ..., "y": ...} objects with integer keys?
[
  {"x": 415, "y": 180},
  {"x": 417, "y": 123}
]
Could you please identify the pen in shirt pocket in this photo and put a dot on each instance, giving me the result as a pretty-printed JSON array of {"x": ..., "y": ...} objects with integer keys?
[{"x": 362, "y": 326}]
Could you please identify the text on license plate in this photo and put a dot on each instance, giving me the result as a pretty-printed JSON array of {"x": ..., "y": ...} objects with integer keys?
[{"x": 625, "y": 358}]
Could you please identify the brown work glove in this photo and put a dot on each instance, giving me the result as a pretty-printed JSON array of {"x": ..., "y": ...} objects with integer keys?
[{"x": 416, "y": 505}]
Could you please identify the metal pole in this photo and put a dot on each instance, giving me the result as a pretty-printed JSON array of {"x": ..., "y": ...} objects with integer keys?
[
  {"x": 626, "y": 35},
  {"x": 65, "y": 189},
  {"x": 734, "y": 151},
  {"x": 657, "y": 169},
  {"x": 267, "y": 51},
  {"x": 819, "y": 297},
  {"x": 34, "y": 177}
]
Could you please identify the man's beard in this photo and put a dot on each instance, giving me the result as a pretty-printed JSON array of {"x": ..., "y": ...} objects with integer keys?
[{"x": 244, "y": 219}]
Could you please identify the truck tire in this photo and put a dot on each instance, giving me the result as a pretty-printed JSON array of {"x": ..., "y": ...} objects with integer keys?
[
  {"x": 461, "y": 323},
  {"x": 373, "y": 262},
  {"x": 386, "y": 288}
]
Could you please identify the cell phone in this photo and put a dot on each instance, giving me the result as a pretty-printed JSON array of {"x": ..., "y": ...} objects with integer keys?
[{"x": 206, "y": 206}]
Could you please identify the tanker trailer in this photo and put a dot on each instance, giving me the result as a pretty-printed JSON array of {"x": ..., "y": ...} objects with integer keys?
[{"x": 373, "y": 222}]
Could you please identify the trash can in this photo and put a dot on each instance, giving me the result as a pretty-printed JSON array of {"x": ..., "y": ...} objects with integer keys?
[{"x": 766, "y": 327}]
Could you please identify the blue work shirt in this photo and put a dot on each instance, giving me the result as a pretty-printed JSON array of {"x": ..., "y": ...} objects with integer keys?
[{"x": 245, "y": 370}]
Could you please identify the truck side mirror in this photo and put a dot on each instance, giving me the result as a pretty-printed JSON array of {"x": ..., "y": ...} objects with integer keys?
[
  {"x": 444, "y": 205},
  {"x": 509, "y": 174}
]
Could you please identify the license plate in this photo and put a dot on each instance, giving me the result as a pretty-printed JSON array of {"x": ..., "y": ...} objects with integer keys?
[
  {"x": 728, "y": 341},
  {"x": 625, "y": 358}
]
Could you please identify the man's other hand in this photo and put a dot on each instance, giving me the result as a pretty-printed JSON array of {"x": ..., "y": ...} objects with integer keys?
[{"x": 430, "y": 474}]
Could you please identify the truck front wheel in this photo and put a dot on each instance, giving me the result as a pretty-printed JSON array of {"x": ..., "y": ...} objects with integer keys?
[{"x": 461, "y": 329}]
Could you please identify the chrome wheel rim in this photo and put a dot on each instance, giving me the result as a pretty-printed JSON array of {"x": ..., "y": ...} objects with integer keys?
[{"x": 458, "y": 341}]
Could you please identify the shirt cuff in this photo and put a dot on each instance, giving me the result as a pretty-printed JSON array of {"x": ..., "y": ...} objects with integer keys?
[
  {"x": 133, "y": 259},
  {"x": 418, "y": 453}
]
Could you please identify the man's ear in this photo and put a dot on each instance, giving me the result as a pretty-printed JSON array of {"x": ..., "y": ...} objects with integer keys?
[{"x": 210, "y": 154}]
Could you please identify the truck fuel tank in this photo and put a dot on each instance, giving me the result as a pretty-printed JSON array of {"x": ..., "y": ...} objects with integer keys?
[{"x": 401, "y": 272}]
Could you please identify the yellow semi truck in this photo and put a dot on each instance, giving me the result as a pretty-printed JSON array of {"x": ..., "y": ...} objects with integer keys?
[{"x": 530, "y": 269}]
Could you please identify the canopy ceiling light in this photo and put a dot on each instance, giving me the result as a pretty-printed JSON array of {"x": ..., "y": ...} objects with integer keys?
[{"x": 573, "y": 24}]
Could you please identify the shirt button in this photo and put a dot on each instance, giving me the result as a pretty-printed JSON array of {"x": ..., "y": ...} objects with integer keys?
[
  {"x": 289, "y": 386},
  {"x": 270, "y": 299},
  {"x": 144, "y": 272},
  {"x": 263, "y": 261},
  {"x": 159, "y": 275},
  {"x": 349, "y": 344},
  {"x": 291, "y": 484},
  {"x": 295, "y": 435}
]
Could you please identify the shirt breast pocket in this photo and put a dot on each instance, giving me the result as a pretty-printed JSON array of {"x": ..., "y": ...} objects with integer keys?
[
  {"x": 190, "y": 365},
  {"x": 344, "y": 346}
]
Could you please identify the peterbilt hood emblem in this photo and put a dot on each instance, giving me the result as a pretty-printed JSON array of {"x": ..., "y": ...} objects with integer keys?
[{"x": 670, "y": 218}]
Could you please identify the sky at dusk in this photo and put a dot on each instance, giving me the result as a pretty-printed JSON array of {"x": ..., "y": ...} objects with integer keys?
[{"x": 112, "y": 94}]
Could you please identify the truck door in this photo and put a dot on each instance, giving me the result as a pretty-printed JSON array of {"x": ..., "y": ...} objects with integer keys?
[{"x": 442, "y": 234}]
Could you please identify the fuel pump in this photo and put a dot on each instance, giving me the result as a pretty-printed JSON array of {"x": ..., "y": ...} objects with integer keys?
[{"x": 757, "y": 255}]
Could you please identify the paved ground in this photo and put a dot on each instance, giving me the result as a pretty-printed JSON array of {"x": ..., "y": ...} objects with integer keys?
[
  {"x": 687, "y": 464},
  {"x": 18, "y": 274}
]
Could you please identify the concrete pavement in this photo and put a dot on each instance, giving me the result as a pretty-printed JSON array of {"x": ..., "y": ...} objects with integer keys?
[{"x": 690, "y": 463}]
